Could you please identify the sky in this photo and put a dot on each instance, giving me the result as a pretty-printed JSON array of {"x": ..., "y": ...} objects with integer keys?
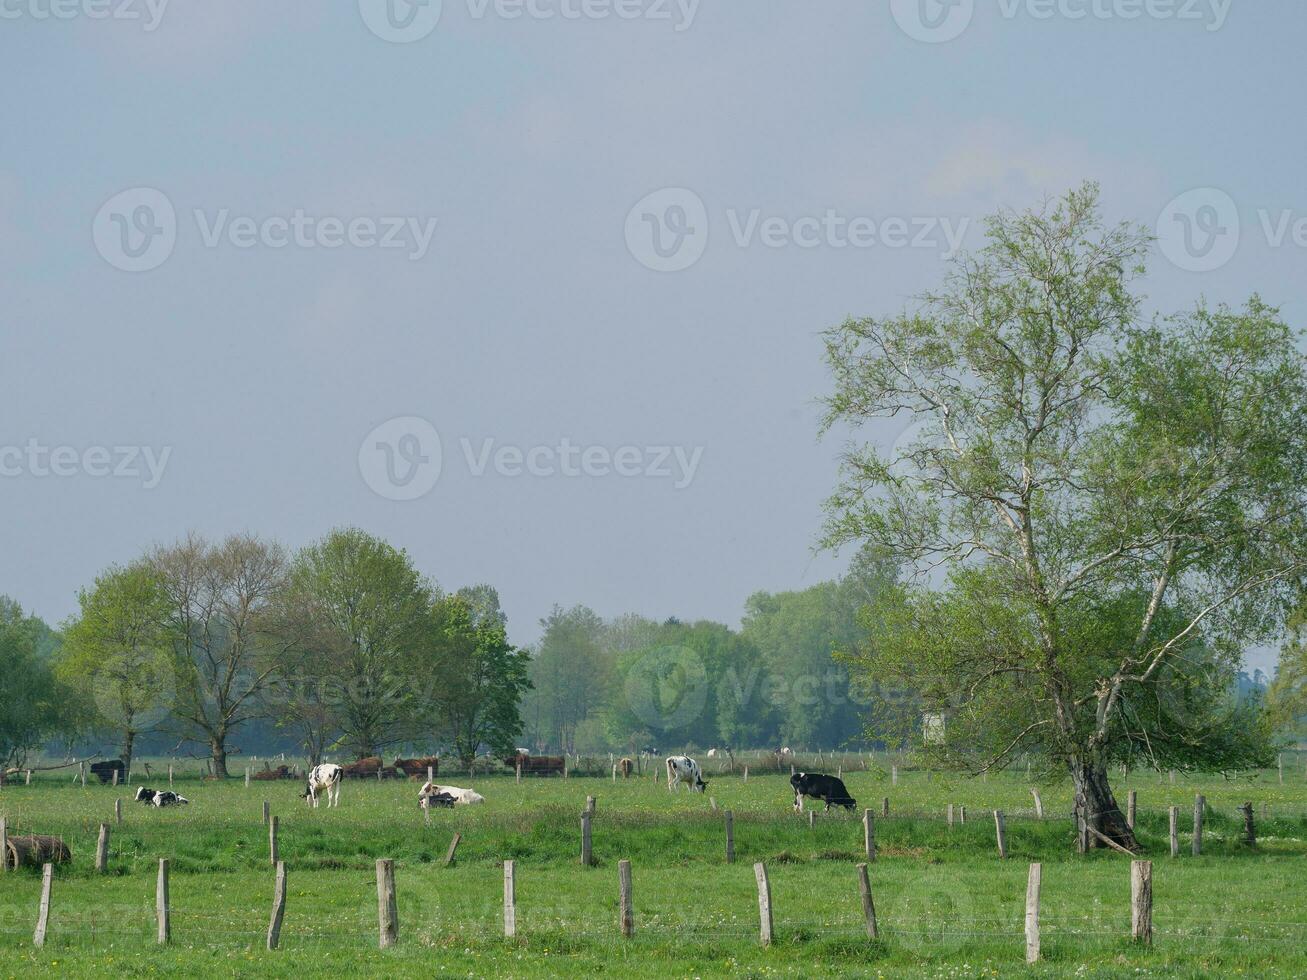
[{"x": 535, "y": 289}]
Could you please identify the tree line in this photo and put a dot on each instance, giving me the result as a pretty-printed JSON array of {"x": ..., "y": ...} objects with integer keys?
[{"x": 344, "y": 643}]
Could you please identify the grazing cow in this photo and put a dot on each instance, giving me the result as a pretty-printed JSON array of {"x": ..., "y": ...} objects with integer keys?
[
  {"x": 829, "y": 789},
  {"x": 626, "y": 766},
  {"x": 712, "y": 753},
  {"x": 463, "y": 797},
  {"x": 105, "y": 770},
  {"x": 417, "y": 768},
  {"x": 325, "y": 777},
  {"x": 537, "y": 765},
  {"x": 681, "y": 768},
  {"x": 167, "y": 797}
]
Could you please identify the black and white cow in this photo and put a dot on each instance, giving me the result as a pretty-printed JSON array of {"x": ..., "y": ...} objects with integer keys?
[
  {"x": 683, "y": 769},
  {"x": 430, "y": 795},
  {"x": 829, "y": 789},
  {"x": 324, "y": 778},
  {"x": 159, "y": 797}
]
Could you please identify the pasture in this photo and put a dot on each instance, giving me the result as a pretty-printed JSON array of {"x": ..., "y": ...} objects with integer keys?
[{"x": 947, "y": 905}]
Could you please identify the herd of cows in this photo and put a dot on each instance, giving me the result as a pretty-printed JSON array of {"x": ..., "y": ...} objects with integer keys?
[{"x": 324, "y": 781}]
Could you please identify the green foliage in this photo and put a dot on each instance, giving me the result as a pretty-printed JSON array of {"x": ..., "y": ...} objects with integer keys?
[
  {"x": 33, "y": 706},
  {"x": 362, "y": 609},
  {"x": 1122, "y": 503},
  {"x": 117, "y": 655},
  {"x": 477, "y": 678}
]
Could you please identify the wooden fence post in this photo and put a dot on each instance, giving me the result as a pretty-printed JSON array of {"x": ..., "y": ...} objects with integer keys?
[
  {"x": 625, "y": 907},
  {"x": 115, "y": 777},
  {"x": 746, "y": 774},
  {"x": 1249, "y": 829},
  {"x": 869, "y": 835},
  {"x": 43, "y": 914},
  {"x": 590, "y": 805},
  {"x": 387, "y": 909},
  {"x": 894, "y": 775},
  {"x": 884, "y": 806},
  {"x": 170, "y": 775},
  {"x": 1175, "y": 831},
  {"x": 1141, "y": 901},
  {"x": 81, "y": 770},
  {"x": 1039, "y": 804},
  {"x": 812, "y": 819},
  {"x": 868, "y": 904},
  {"x": 431, "y": 776},
  {"x": 162, "y": 909},
  {"x": 950, "y": 816},
  {"x": 28, "y": 780},
  {"x": 118, "y": 812},
  {"x": 586, "y": 856},
  {"x": 764, "y": 903},
  {"x": 730, "y": 837},
  {"x": 510, "y": 901},
  {"x": 1131, "y": 809},
  {"x": 247, "y": 777},
  {"x": 1033, "y": 882},
  {"x": 1000, "y": 831},
  {"x": 453, "y": 847},
  {"x": 4, "y": 845},
  {"x": 102, "y": 849},
  {"x": 278, "y": 906},
  {"x": 1200, "y": 805},
  {"x": 519, "y": 769},
  {"x": 962, "y": 813},
  {"x": 1279, "y": 762}
]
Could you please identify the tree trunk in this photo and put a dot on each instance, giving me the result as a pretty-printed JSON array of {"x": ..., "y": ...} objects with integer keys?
[
  {"x": 1096, "y": 805},
  {"x": 129, "y": 742},
  {"x": 218, "y": 747}
]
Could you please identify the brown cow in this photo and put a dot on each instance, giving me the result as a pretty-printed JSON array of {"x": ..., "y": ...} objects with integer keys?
[
  {"x": 626, "y": 767},
  {"x": 537, "y": 765},
  {"x": 417, "y": 768}
]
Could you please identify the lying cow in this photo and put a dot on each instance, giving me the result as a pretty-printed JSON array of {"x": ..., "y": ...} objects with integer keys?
[
  {"x": 683, "y": 769},
  {"x": 159, "y": 798},
  {"x": 460, "y": 796},
  {"x": 829, "y": 789},
  {"x": 324, "y": 778}
]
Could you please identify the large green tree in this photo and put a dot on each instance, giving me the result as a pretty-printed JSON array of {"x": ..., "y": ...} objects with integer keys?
[
  {"x": 371, "y": 610},
  {"x": 33, "y": 707},
  {"x": 1111, "y": 494},
  {"x": 117, "y": 655},
  {"x": 571, "y": 676},
  {"x": 476, "y": 678}
]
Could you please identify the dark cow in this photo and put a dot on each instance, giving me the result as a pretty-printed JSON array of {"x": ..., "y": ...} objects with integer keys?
[
  {"x": 105, "y": 770},
  {"x": 144, "y": 795},
  {"x": 626, "y": 767},
  {"x": 818, "y": 786}
]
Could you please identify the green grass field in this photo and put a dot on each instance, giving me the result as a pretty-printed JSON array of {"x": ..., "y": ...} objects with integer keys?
[{"x": 947, "y": 905}]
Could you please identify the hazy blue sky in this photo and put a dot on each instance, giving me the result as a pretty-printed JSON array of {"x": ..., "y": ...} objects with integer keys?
[{"x": 535, "y": 311}]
